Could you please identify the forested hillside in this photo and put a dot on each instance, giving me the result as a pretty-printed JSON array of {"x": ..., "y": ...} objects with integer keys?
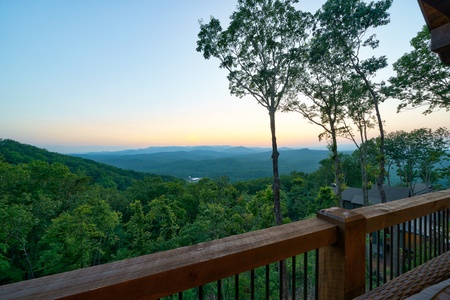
[
  {"x": 15, "y": 153},
  {"x": 60, "y": 213}
]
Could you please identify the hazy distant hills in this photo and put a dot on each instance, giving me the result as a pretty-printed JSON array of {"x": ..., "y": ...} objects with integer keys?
[
  {"x": 237, "y": 163},
  {"x": 16, "y": 153},
  {"x": 207, "y": 150}
]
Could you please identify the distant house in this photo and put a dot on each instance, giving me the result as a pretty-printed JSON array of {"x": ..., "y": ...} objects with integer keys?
[
  {"x": 410, "y": 235},
  {"x": 353, "y": 197},
  {"x": 437, "y": 16},
  {"x": 194, "y": 179}
]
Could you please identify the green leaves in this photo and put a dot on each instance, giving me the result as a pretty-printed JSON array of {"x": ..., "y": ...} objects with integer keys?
[
  {"x": 421, "y": 77},
  {"x": 208, "y": 42},
  {"x": 77, "y": 239},
  {"x": 417, "y": 153},
  {"x": 260, "y": 48},
  {"x": 17, "y": 223}
]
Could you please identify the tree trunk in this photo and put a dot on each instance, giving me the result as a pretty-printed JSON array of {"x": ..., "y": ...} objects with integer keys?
[
  {"x": 382, "y": 160},
  {"x": 337, "y": 167},
  {"x": 276, "y": 200},
  {"x": 30, "y": 266},
  {"x": 388, "y": 174},
  {"x": 365, "y": 181},
  {"x": 382, "y": 172},
  {"x": 276, "y": 177}
]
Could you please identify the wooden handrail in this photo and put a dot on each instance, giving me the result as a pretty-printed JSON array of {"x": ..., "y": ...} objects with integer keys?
[
  {"x": 384, "y": 215},
  {"x": 165, "y": 273}
]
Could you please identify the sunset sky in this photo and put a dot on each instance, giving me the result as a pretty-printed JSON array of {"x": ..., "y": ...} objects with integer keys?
[{"x": 90, "y": 75}]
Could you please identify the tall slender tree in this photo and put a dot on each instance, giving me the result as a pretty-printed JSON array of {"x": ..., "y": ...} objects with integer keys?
[
  {"x": 324, "y": 83},
  {"x": 261, "y": 49},
  {"x": 359, "y": 111},
  {"x": 343, "y": 25}
]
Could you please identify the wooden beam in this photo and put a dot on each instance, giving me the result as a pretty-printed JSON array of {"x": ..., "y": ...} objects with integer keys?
[
  {"x": 440, "y": 38},
  {"x": 433, "y": 17},
  {"x": 441, "y": 5},
  {"x": 161, "y": 274},
  {"x": 437, "y": 16},
  {"x": 440, "y": 42},
  {"x": 445, "y": 57},
  {"x": 396, "y": 212},
  {"x": 342, "y": 266}
]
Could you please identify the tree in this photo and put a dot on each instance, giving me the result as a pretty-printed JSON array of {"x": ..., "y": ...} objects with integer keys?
[
  {"x": 325, "y": 83},
  {"x": 325, "y": 199},
  {"x": 79, "y": 238},
  {"x": 259, "y": 209},
  {"x": 343, "y": 26},
  {"x": 351, "y": 166},
  {"x": 260, "y": 49},
  {"x": 359, "y": 111},
  {"x": 139, "y": 231},
  {"x": 163, "y": 221},
  {"x": 17, "y": 224},
  {"x": 422, "y": 79},
  {"x": 417, "y": 153},
  {"x": 300, "y": 191},
  {"x": 444, "y": 171}
]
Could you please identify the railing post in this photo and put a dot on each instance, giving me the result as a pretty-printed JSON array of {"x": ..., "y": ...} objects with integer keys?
[{"x": 342, "y": 265}]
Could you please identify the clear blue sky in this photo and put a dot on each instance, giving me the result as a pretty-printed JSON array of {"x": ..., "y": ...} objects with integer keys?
[{"x": 87, "y": 75}]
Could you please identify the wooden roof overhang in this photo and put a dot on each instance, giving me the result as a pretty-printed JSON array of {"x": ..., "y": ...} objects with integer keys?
[{"x": 437, "y": 17}]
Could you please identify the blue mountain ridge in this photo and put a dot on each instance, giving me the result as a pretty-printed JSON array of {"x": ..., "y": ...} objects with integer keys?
[{"x": 236, "y": 163}]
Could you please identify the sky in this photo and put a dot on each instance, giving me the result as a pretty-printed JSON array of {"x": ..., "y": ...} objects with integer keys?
[{"x": 94, "y": 75}]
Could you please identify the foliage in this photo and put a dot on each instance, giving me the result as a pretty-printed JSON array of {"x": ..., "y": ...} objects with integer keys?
[
  {"x": 78, "y": 239},
  {"x": 421, "y": 79},
  {"x": 417, "y": 153},
  {"x": 325, "y": 83},
  {"x": 61, "y": 213},
  {"x": 16, "y": 153},
  {"x": 326, "y": 198},
  {"x": 55, "y": 220},
  {"x": 17, "y": 225},
  {"x": 260, "y": 49},
  {"x": 343, "y": 26}
]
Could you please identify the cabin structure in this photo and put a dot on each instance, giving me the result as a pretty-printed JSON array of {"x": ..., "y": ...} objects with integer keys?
[
  {"x": 437, "y": 16},
  {"x": 353, "y": 197}
]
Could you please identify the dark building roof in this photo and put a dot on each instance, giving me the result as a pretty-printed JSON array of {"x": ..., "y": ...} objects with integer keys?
[
  {"x": 437, "y": 16},
  {"x": 354, "y": 195}
]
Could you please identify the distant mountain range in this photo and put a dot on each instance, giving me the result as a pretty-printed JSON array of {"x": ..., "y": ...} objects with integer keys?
[
  {"x": 236, "y": 163},
  {"x": 16, "y": 153}
]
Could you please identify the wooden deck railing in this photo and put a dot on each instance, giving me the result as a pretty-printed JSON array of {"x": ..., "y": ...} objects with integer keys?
[{"x": 339, "y": 234}]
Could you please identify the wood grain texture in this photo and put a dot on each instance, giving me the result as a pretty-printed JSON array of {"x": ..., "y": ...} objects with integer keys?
[
  {"x": 342, "y": 265},
  {"x": 384, "y": 215}
]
